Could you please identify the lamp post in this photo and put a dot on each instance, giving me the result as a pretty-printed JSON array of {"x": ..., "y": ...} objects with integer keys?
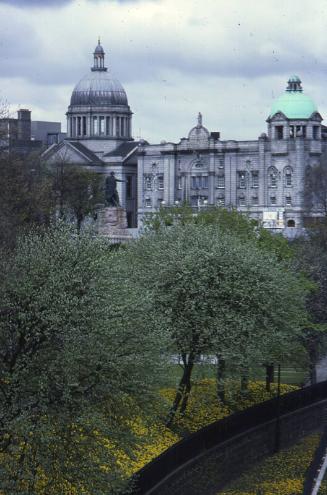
[{"x": 277, "y": 430}]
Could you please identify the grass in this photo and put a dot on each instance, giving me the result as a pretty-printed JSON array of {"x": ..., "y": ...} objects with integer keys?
[
  {"x": 289, "y": 375},
  {"x": 280, "y": 474}
]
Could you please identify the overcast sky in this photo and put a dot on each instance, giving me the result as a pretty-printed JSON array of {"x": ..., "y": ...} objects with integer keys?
[{"x": 227, "y": 59}]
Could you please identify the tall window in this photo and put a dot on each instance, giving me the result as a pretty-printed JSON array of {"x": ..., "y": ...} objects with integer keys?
[
  {"x": 148, "y": 182},
  {"x": 288, "y": 177},
  {"x": 272, "y": 175},
  {"x": 148, "y": 202},
  {"x": 160, "y": 181},
  {"x": 242, "y": 200},
  {"x": 255, "y": 178},
  {"x": 315, "y": 132},
  {"x": 79, "y": 130},
  {"x": 220, "y": 181},
  {"x": 279, "y": 132},
  {"x": 95, "y": 126},
  {"x": 242, "y": 180},
  {"x": 288, "y": 201},
  {"x": 101, "y": 126},
  {"x": 273, "y": 200},
  {"x": 179, "y": 182},
  {"x": 255, "y": 200},
  {"x": 84, "y": 126}
]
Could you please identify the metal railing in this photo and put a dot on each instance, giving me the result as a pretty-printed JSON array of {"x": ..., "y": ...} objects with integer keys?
[{"x": 220, "y": 431}]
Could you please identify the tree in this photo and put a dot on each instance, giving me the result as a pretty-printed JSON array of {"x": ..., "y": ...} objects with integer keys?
[
  {"x": 75, "y": 372},
  {"x": 315, "y": 189},
  {"x": 235, "y": 223},
  {"x": 78, "y": 190},
  {"x": 312, "y": 260},
  {"x": 217, "y": 293},
  {"x": 26, "y": 197}
]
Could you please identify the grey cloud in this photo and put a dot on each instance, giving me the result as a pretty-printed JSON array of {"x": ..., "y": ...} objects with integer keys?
[{"x": 34, "y": 3}]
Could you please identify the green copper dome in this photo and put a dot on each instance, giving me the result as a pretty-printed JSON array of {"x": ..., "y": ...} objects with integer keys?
[{"x": 294, "y": 103}]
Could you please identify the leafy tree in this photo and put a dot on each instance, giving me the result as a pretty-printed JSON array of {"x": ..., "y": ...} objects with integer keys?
[
  {"x": 26, "y": 197},
  {"x": 217, "y": 293},
  {"x": 75, "y": 372},
  {"x": 315, "y": 189},
  {"x": 78, "y": 191},
  {"x": 312, "y": 260}
]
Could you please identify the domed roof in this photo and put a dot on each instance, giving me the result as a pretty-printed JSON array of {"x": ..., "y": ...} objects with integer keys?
[
  {"x": 98, "y": 89},
  {"x": 294, "y": 104}
]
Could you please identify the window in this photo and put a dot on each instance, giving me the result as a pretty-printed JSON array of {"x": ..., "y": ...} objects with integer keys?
[
  {"x": 288, "y": 178},
  {"x": 108, "y": 126},
  {"x": 279, "y": 132},
  {"x": 179, "y": 182},
  {"x": 79, "y": 131},
  {"x": 122, "y": 133},
  {"x": 255, "y": 178},
  {"x": 84, "y": 126},
  {"x": 241, "y": 180},
  {"x": 273, "y": 200},
  {"x": 101, "y": 126},
  {"x": 160, "y": 181},
  {"x": 255, "y": 200},
  {"x": 288, "y": 201},
  {"x": 315, "y": 132},
  {"x": 241, "y": 201},
  {"x": 221, "y": 164},
  {"x": 117, "y": 126},
  {"x": 148, "y": 182},
  {"x": 273, "y": 177},
  {"x": 290, "y": 223},
  {"x": 298, "y": 131},
  {"x": 95, "y": 126},
  {"x": 199, "y": 182},
  {"x": 220, "y": 181},
  {"x": 148, "y": 202}
]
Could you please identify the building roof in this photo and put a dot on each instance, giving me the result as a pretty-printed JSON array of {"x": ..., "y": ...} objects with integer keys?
[
  {"x": 86, "y": 152},
  {"x": 294, "y": 104},
  {"x": 123, "y": 149}
]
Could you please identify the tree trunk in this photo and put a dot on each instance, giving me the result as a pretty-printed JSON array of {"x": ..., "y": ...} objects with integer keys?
[
  {"x": 312, "y": 366},
  {"x": 244, "y": 381},
  {"x": 269, "y": 376},
  {"x": 221, "y": 365},
  {"x": 183, "y": 389}
]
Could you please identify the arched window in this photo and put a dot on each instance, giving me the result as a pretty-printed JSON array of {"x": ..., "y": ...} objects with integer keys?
[
  {"x": 272, "y": 177},
  {"x": 288, "y": 176},
  {"x": 291, "y": 223}
]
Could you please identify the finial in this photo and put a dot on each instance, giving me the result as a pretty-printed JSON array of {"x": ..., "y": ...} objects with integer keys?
[
  {"x": 99, "y": 43},
  {"x": 199, "y": 119}
]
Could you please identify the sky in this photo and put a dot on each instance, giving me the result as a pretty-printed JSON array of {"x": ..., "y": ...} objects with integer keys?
[{"x": 175, "y": 58}]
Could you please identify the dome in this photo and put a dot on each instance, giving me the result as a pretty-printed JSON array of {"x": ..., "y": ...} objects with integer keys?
[
  {"x": 99, "y": 89},
  {"x": 294, "y": 104}
]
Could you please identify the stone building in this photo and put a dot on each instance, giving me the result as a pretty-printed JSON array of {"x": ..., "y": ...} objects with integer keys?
[
  {"x": 99, "y": 132},
  {"x": 263, "y": 177}
]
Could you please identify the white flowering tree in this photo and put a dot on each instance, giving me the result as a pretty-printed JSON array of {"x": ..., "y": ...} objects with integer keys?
[
  {"x": 75, "y": 372},
  {"x": 217, "y": 293}
]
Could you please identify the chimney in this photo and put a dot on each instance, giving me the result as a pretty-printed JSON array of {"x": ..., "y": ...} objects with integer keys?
[{"x": 24, "y": 125}]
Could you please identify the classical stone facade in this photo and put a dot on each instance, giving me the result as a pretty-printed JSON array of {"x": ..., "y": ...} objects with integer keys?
[{"x": 263, "y": 177}]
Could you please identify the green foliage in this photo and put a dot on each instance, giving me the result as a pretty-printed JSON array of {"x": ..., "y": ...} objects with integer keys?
[
  {"x": 74, "y": 373},
  {"x": 25, "y": 196},
  {"x": 78, "y": 191},
  {"x": 217, "y": 293}
]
